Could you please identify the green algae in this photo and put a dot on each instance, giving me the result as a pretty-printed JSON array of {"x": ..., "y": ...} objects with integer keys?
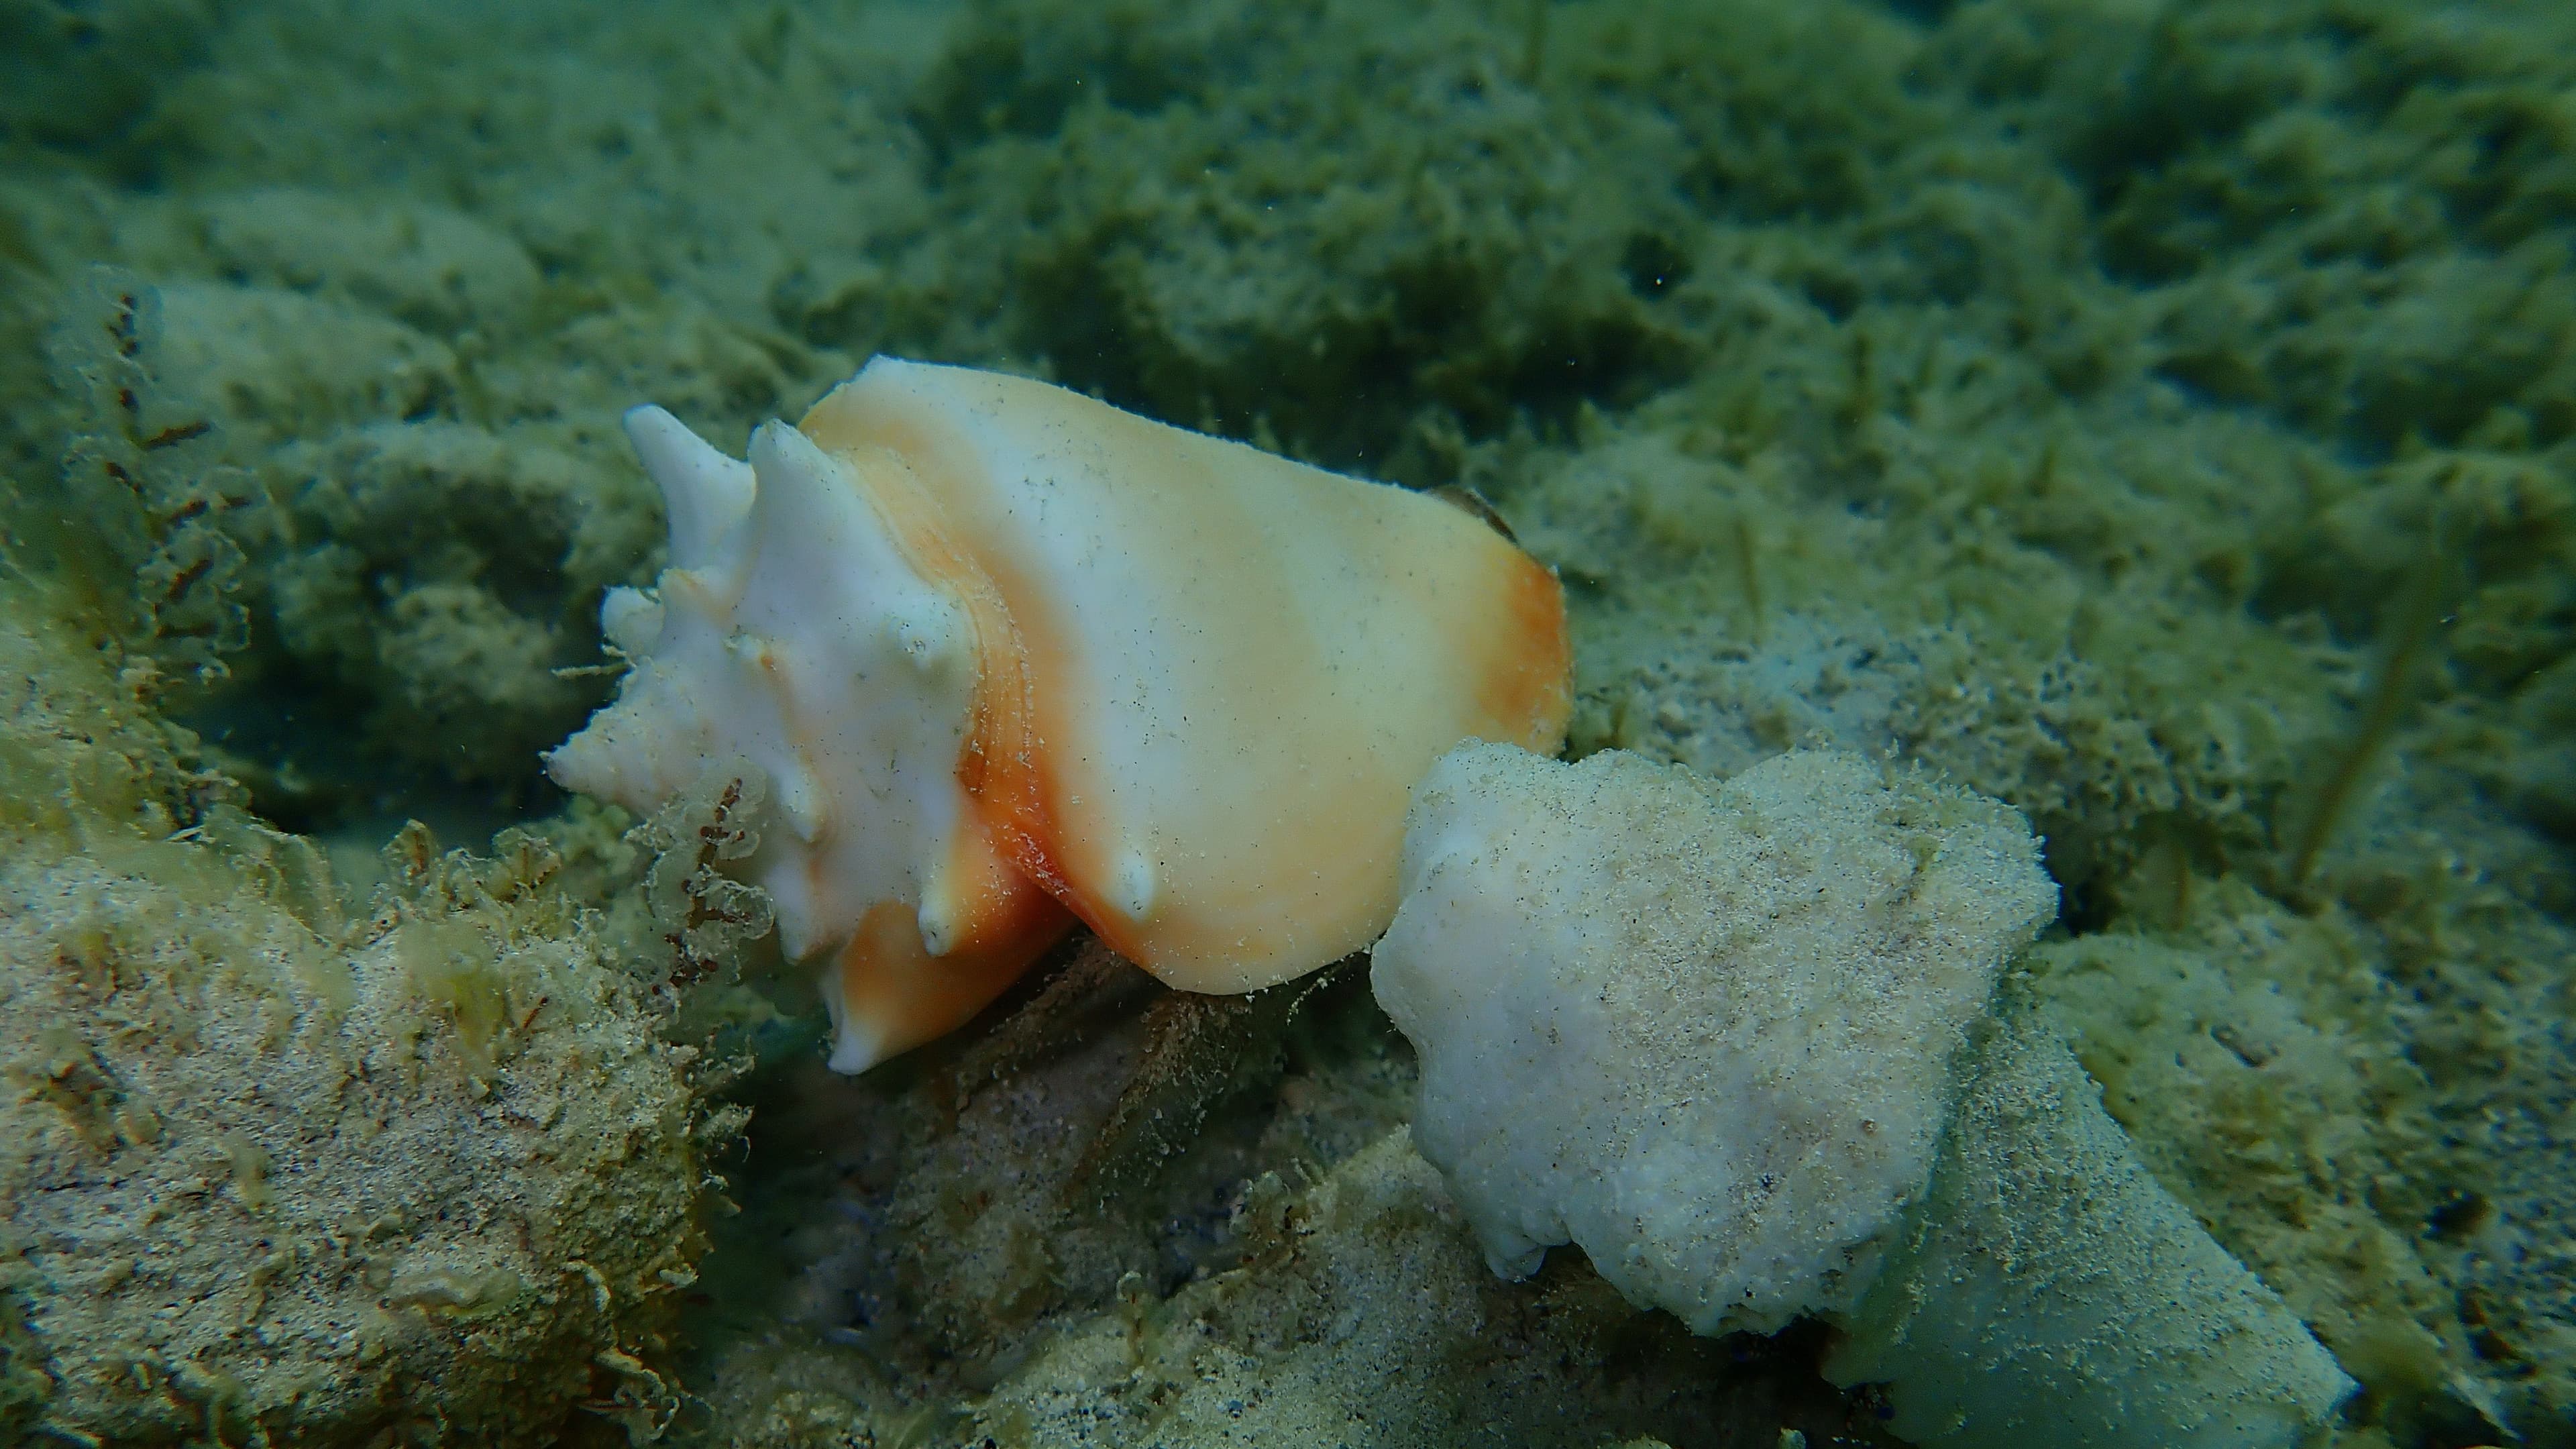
[
  {"x": 291, "y": 1167},
  {"x": 289, "y": 1162},
  {"x": 2080, "y": 397}
]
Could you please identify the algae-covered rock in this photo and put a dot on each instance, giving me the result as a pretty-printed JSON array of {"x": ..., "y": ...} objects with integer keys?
[
  {"x": 1191, "y": 211},
  {"x": 77, "y": 72},
  {"x": 284, "y": 1165},
  {"x": 2249, "y": 1055},
  {"x": 446, "y": 580},
  {"x": 275, "y": 363},
  {"x": 280, "y": 1168},
  {"x": 427, "y": 266},
  {"x": 1361, "y": 1315},
  {"x": 2051, "y": 1292},
  {"x": 2354, "y": 214},
  {"x": 394, "y": 600},
  {"x": 2299, "y": 1080}
]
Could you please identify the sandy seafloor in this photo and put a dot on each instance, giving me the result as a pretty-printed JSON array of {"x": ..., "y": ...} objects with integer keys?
[{"x": 2160, "y": 417}]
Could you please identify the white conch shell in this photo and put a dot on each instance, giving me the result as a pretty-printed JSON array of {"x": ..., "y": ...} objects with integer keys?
[{"x": 1010, "y": 656}]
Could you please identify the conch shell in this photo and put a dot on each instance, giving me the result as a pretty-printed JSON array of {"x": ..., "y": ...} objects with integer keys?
[{"x": 1009, "y": 656}]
